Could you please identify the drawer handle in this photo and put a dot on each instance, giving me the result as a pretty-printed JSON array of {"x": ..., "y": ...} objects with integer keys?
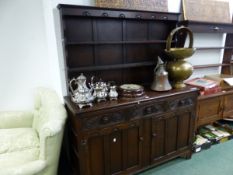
[
  {"x": 121, "y": 16},
  {"x": 141, "y": 139},
  {"x": 132, "y": 125},
  {"x": 154, "y": 134},
  {"x": 164, "y": 17},
  {"x": 115, "y": 129},
  {"x": 182, "y": 102},
  {"x": 138, "y": 16},
  {"x": 216, "y": 28},
  {"x": 105, "y": 14},
  {"x": 86, "y": 13},
  {"x": 149, "y": 110},
  {"x": 114, "y": 140},
  {"x": 105, "y": 120},
  {"x": 152, "y": 17},
  {"x": 83, "y": 142}
]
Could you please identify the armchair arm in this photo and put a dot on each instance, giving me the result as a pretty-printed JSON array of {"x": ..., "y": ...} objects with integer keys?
[
  {"x": 50, "y": 135},
  {"x": 15, "y": 119}
]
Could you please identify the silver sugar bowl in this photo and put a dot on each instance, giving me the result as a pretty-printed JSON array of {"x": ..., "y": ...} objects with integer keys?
[{"x": 100, "y": 91}]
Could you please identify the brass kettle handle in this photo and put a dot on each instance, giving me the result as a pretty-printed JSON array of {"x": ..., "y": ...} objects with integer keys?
[{"x": 169, "y": 39}]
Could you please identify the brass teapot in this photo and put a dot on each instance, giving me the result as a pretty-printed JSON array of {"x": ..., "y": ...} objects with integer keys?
[{"x": 178, "y": 68}]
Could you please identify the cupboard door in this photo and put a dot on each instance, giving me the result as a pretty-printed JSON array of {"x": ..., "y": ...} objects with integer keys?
[
  {"x": 104, "y": 152},
  {"x": 170, "y": 133},
  {"x": 185, "y": 130},
  {"x": 228, "y": 103},
  {"x": 158, "y": 138},
  {"x": 115, "y": 155},
  {"x": 115, "y": 150},
  {"x": 164, "y": 136},
  {"x": 209, "y": 110},
  {"x": 96, "y": 155},
  {"x": 132, "y": 145}
]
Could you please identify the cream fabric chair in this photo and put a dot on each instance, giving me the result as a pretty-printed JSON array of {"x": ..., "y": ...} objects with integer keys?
[{"x": 30, "y": 141}]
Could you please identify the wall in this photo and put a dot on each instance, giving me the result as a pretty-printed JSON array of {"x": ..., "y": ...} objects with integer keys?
[
  {"x": 31, "y": 51},
  {"x": 23, "y": 52}
]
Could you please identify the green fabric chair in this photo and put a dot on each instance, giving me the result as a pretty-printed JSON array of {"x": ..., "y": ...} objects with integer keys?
[{"x": 30, "y": 141}]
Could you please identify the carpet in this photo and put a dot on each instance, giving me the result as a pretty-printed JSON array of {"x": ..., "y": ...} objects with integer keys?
[{"x": 218, "y": 160}]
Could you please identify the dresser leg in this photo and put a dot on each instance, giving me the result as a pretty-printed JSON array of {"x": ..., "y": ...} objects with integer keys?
[{"x": 187, "y": 155}]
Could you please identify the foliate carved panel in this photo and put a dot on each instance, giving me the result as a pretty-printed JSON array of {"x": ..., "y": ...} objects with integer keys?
[
  {"x": 179, "y": 103},
  {"x": 103, "y": 120},
  {"x": 154, "y": 109}
]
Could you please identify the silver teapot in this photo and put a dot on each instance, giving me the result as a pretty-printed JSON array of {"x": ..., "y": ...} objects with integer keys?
[{"x": 82, "y": 95}]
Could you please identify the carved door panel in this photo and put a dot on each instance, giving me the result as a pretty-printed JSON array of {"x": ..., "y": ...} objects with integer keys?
[
  {"x": 164, "y": 136},
  {"x": 132, "y": 145},
  {"x": 170, "y": 133},
  {"x": 114, "y": 150},
  {"x": 158, "y": 138},
  {"x": 185, "y": 129},
  {"x": 94, "y": 153}
]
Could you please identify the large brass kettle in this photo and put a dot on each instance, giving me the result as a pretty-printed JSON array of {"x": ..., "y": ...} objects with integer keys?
[{"x": 178, "y": 68}]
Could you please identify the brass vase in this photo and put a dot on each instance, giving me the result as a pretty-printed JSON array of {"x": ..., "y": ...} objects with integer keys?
[{"x": 177, "y": 67}]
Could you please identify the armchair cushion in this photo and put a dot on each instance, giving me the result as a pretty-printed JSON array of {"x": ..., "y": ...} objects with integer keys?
[
  {"x": 18, "y": 158},
  {"x": 16, "y": 119},
  {"x": 18, "y": 139}
]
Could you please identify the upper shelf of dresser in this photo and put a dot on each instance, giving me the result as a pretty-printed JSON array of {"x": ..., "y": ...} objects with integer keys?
[
  {"x": 114, "y": 44},
  {"x": 208, "y": 27},
  {"x": 74, "y": 10}
]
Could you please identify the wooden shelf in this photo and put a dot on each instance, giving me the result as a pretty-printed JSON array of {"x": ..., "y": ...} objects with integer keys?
[
  {"x": 208, "y": 27},
  {"x": 223, "y": 92},
  {"x": 115, "y": 66},
  {"x": 212, "y": 48},
  {"x": 209, "y": 65},
  {"x": 118, "y": 42}
]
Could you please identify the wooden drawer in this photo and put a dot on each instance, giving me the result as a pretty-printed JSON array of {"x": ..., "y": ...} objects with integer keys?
[
  {"x": 107, "y": 118},
  {"x": 166, "y": 105},
  {"x": 153, "y": 108},
  {"x": 181, "y": 102}
]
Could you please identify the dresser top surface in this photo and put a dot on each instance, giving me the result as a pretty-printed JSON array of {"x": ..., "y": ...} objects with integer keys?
[{"x": 121, "y": 102}]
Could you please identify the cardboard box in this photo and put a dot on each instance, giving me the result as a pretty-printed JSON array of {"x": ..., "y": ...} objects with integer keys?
[{"x": 224, "y": 81}]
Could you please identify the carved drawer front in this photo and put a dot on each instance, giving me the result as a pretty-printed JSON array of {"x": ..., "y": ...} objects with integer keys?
[
  {"x": 153, "y": 108},
  {"x": 181, "y": 103},
  {"x": 108, "y": 118}
]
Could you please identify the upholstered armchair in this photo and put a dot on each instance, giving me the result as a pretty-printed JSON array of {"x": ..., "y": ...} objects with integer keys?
[{"x": 30, "y": 141}]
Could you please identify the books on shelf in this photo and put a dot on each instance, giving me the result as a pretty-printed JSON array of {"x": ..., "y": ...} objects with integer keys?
[
  {"x": 209, "y": 134},
  {"x": 206, "y": 86}
]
